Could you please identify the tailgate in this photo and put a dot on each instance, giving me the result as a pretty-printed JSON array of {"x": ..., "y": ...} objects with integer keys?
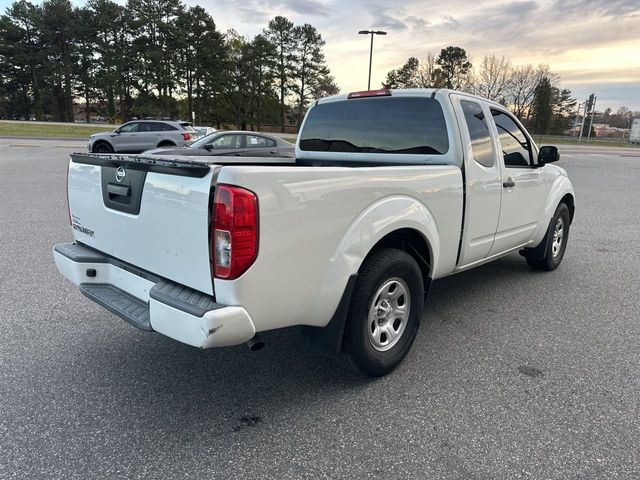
[{"x": 147, "y": 211}]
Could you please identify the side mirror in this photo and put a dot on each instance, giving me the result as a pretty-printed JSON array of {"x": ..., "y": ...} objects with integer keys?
[
  {"x": 548, "y": 154},
  {"x": 208, "y": 146}
]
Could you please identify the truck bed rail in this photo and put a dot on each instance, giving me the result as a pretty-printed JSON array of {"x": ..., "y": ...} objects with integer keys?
[{"x": 147, "y": 163}]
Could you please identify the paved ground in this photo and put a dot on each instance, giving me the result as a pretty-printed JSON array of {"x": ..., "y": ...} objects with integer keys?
[{"x": 514, "y": 374}]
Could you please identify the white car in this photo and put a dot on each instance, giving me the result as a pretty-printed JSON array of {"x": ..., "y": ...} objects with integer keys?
[
  {"x": 389, "y": 191},
  {"x": 204, "y": 131}
]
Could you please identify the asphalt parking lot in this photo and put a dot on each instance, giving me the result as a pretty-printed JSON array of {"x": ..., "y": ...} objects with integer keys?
[{"x": 514, "y": 374}]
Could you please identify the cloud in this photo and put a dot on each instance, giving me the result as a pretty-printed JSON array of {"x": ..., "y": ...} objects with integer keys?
[
  {"x": 250, "y": 13},
  {"x": 418, "y": 24},
  {"x": 307, "y": 7},
  {"x": 256, "y": 13},
  {"x": 505, "y": 19},
  {"x": 389, "y": 22},
  {"x": 610, "y": 8},
  {"x": 449, "y": 22}
]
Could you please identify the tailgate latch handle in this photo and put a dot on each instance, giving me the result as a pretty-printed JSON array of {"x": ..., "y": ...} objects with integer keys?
[{"x": 121, "y": 190}]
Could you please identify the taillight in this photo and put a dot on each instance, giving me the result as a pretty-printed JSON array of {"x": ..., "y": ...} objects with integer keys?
[
  {"x": 186, "y": 136},
  {"x": 234, "y": 231}
]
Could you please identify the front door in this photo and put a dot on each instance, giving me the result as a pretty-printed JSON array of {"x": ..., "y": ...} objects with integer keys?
[
  {"x": 229, "y": 145},
  {"x": 523, "y": 185}
]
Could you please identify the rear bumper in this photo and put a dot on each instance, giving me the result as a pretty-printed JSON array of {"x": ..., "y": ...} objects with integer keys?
[{"x": 152, "y": 303}]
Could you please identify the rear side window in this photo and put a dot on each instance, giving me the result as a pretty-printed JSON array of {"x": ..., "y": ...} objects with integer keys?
[
  {"x": 405, "y": 125},
  {"x": 165, "y": 127},
  {"x": 256, "y": 141},
  {"x": 481, "y": 145},
  {"x": 150, "y": 127},
  {"x": 515, "y": 146}
]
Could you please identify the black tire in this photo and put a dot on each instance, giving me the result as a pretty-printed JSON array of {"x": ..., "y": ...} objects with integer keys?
[
  {"x": 548, "y": 255},
  {"x": 102, "y": 147},
  {"x": 382, "y": 269},
  {"x": 166, "y": 144}
]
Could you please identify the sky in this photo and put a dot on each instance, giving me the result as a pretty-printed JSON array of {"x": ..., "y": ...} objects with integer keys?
[{"x": 593, "y": 44}]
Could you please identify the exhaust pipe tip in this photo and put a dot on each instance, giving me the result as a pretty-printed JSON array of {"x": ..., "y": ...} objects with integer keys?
[{"x": 256, "y": 343}]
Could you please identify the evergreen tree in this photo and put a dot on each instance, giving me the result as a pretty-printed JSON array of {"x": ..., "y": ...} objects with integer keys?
[
  {"x": 455, "y": 66},
  {"x": 280, "y": 33},
  {"x": 542, "y": 106},
  {"x": 309, "y": 66}
]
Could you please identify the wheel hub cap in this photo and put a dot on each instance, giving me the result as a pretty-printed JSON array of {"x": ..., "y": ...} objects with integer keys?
[
  {"x": 558, "y": 237},
  {"x": 388, "y": 314}
]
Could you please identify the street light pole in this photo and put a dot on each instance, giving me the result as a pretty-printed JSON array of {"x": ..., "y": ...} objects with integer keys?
[{"x": 372, "y": 33}]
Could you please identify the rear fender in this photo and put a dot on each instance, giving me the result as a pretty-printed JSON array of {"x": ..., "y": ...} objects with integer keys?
[{"x": 374, "y": 223}]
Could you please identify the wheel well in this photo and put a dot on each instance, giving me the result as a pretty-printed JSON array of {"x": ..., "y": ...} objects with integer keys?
[
  {"x": 328, "y": 339},
  {"x": 412, "y": 242},
  {"x": 102, "y": 141},
  {"x": 569, "y": 201},
  {"x": 166, "y": 143}
]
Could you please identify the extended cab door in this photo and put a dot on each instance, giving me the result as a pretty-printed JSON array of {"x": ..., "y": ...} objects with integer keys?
[
  {"x": 523, "y": 184},
  {"x": 483, "y": 179}
]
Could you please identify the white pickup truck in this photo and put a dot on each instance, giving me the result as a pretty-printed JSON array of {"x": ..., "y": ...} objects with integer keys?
[{"x": 389, "y": 190}]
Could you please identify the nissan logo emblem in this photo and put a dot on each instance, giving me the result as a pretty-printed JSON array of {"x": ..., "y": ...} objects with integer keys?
[{"x": 120, "y": 174}]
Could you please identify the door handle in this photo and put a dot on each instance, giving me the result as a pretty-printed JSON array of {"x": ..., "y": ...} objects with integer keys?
[
  {"x": 272, "y": 152},
  {"x": 509, "y": 183}
]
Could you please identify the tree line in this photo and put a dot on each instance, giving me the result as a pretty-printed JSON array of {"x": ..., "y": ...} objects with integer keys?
[
  {"x": 155, "y": 58},
  {"x": 532, "y": 93}
]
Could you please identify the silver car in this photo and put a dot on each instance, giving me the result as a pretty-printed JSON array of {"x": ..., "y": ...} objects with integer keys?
[
  {"x": 141, "y": 135},
  {"x": 237, "y": 143}
]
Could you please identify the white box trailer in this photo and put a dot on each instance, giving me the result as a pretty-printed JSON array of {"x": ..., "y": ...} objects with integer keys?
[{"x": 634, "y": 133}]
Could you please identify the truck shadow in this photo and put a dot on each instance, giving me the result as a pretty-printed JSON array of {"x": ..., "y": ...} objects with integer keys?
[{"x": 163, "y": 384}]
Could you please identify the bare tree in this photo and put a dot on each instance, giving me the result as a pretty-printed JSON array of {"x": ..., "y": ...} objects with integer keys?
[
  {"x": 428, "y": 74},
  {"x": 494, "y": 77},
  {"x": 521, "y": 92}
]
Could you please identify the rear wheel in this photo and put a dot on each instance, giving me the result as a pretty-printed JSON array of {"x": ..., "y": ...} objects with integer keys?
[
  {"x": 166, "y": 144},
  {"x": 549, "y": 254},
  {"x": 102, "y": 147},
  {"x": 384, "y": 313}
]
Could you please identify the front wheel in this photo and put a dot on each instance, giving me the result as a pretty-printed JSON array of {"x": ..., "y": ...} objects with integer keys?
[
  {"x": 102, "y": 147},
  {"x": 549, "y": 254},
  {"x": 384, "y": 313}
]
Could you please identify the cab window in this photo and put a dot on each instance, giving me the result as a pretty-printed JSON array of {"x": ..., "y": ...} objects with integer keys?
[
  {"x": 481, "y": 144},
  {"x": 515, "y": 146},
  {"x": 401, "y": 125}
]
